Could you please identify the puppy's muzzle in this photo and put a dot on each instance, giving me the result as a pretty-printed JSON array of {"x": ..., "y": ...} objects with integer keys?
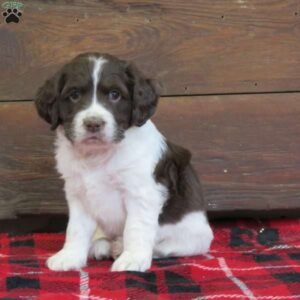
[{"x": 93, "y": 124}]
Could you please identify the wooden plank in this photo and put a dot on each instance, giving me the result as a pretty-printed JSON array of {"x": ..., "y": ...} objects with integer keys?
[
  {"x": 192, "y": 47},
  {"x": 28, "y": 182},
  {"x": 246, "y": 149}
]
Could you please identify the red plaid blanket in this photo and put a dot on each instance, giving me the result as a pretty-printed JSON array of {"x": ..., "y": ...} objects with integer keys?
[{"x": 248, "y": 260}]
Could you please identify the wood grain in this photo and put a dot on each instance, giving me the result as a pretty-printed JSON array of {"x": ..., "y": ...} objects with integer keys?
[
  {"x": 192, "y": 47},
  {"x": 246, "y": 149},
  {"x": 28, "y": 183}
]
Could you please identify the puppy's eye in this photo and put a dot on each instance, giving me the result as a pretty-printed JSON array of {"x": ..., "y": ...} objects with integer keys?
[
  {"x": 74, "y": 96},
  {"x": 114, "y": 95}
]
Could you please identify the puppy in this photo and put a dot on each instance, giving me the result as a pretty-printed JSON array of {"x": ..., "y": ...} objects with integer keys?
[{"x": 119, "y": 171}]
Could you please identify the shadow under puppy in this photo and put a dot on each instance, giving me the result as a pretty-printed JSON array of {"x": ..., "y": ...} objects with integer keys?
[{"x": 120, "y": 172}]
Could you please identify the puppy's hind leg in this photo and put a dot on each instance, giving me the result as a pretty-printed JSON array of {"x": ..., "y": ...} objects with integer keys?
[
  {"x": 103, "y": 248},
  {"x": 191, "y": 236},
  {"x": 100, "y": 249}
]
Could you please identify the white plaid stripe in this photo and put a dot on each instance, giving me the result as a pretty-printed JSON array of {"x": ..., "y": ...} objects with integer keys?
[
  {"x": 91, "y": 297},
  {"x": 277, "y": 247},
  {"x": 240, "y": 284},
  {"x": 237, "y": 269},
  {"x": 84, "y": 284},
  {"x": 235, "y": 296}
]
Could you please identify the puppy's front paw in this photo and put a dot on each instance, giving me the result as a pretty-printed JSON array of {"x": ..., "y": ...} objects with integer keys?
[
  {"x": 65, "y": 260},
  {"x": 131, "y": 262}
]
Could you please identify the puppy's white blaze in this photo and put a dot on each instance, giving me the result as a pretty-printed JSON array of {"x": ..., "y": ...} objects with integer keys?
[
  {"x": 98, "y": 66},
  {"x": 96, "y": 109}
]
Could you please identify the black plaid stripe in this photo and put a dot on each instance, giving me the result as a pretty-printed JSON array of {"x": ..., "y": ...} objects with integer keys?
[
  {"x": 143, "y": 281},
  {"x": 173, "y": 283},
  {"x": 19, "y": 282},
  {"x": 20, "y": 262}
]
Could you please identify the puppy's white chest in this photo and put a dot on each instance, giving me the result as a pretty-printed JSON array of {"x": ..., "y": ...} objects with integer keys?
[
  {"x": 104, "y": 201},
  {"x": 97, "y": 189}
]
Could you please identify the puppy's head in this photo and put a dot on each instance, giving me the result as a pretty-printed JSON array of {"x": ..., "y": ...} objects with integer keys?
[{"x": 96, "y": 98}]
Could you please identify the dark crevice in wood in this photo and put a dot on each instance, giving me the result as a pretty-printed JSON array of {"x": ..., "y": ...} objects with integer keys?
[
  {"x": 190, "y": 95},
  {"x": 254, "y": 214}
]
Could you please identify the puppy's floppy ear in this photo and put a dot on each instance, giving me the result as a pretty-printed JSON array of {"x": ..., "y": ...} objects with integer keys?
[
  {"x": 46, "y": 100},
  {"x": 144, "y": 96}
]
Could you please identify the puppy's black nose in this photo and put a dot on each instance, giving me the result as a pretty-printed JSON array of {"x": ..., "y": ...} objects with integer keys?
[{"x": 93, "y": 125}]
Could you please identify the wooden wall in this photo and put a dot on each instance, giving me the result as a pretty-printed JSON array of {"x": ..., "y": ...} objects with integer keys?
[{"x": 230, "y": 72}]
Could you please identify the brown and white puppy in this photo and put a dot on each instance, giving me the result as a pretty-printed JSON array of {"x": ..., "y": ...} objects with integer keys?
[{"x": 120, "y": 172}]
